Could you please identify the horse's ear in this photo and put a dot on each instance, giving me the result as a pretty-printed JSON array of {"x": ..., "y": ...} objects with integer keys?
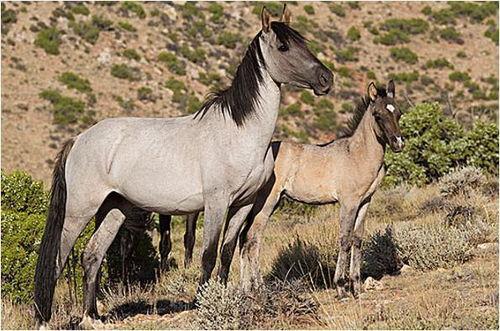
[
  {"x": 286, "y": 16},
  {"x": 266, "y": 19},
  {"x": 372, "y": 91},
  {"x": 391, "y": 89}
]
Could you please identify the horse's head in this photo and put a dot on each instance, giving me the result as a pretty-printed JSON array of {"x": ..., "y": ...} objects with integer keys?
[
  {"x": 287, "y": 58},
  {"x": 386, "y": 113}
]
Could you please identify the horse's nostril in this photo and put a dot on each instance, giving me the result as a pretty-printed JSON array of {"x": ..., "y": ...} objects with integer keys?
[{"x": 322, "y": 79}]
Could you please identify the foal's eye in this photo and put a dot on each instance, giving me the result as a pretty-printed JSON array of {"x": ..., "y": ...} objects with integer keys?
[{"x": 283, "y": 48}]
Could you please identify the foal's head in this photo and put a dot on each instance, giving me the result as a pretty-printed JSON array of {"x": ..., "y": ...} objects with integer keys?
[
  {"x": 386, "y": 113},
  {"x": 287, "y": 58}
]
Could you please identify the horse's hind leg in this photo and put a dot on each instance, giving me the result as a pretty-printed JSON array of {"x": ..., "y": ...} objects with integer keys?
[
  {"x": 356, "y": 255},
  {"x": 348, "y": 212},
  {"x": 190, "y": 238},
  {"x": 234, "y": 226},
  {"x": 165, "y": 240},
  {"x": 92, "y": 258}
]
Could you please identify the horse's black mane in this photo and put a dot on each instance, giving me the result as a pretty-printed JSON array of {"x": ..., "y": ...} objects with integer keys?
[
  {"x": 357, "y": 116},
  {"x": 239, "y": 99}
]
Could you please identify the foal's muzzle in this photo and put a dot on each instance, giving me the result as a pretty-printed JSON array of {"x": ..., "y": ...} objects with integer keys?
[{"x": 397, "y": 144}]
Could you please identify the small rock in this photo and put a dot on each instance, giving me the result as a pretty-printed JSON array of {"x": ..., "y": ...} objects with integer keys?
[
  {"x": 372, "y": 284},
  {"x": 104, "y": 57},
  {"x": 488, "y": 246},
  {"x": 406, "y": 269},
  {"x": 22, "y": 105}
]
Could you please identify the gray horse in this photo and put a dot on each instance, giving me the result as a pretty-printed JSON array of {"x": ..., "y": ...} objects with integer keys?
[{"x": 215, "y": 160}]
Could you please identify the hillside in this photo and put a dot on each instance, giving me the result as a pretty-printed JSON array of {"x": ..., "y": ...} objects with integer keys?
[{"x": 99, "y": 60}]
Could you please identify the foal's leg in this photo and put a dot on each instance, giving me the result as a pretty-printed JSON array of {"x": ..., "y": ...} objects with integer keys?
[
  {"x": 356, "y": 255},
  {"x": 127, "y": 243},
  {"x": 92, "y": 258},
  {"x": 251, "y": 236},
  {"x": 190, "y": 238},
  {"x": 348, "y": 212},
  {"x": 235, "y": 223},
  {"x": 165, "y": 240}
]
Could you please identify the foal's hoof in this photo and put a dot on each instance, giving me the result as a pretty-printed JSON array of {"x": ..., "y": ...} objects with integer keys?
[
  {"x": 342, "y": 294},
  {"x": 89, "y": 323}
]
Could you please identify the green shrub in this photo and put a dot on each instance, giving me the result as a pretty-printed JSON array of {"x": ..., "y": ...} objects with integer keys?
[
  {"x": 8, "y": 16},
  {"x": 309, "y": 9},
  {"x": 492, "y": 33},
  {"x": 458, "y": 76},
  {"x": 228, "y": 39},
  {"x": 135, "y": 8},
  {"x": 337, "y": 9},
  {"x": 404, "y": 54},
  {"x": 344, "y": 72},
  {"x": 438, "y": 63},
  {"x": 217, "y": 12},
  {"x": 66, "y": 110},
  {"x": 404, "y": 77},
  {"x": 347, "y": 54},
  {"x": 274, "y": 7},
  {"x": 131, "y": 54},
  {"x": 353, "y": 34},
  {"x": 292, "y": 110},
  {"x": 380, "y": 255},
  {"x": 195, "y": 55},
  {"x": 80, "y": 9},
  {"x": 101, "y": 22},
  {"x": 21, "y": 193},
  {"x": 210, "y": 78},
  {"x": 392, "y": 37},
  {"x": 307, "y": 97},
  {"x": 461, "y": 54},
  {"x": 190, "y": 11},
  {"x": 49, "y": 39},
  {"x": 435, "y": 144},
  {"x": 452, "y": 35},
  {"x": 145, "y": 93},
  {"x": 123, "y": 71},
  {"x": 326, "y": 119},
  {"x": 175, "y": 85},
  {"x": 411, "y": 26},
  {"x": 86, "y": 30},
  {"x": 174, "y": 65},
  {"x": 73, "y": 81},
  {"x": 476, "y": 12},
  {"x": 127, "y": 26}
]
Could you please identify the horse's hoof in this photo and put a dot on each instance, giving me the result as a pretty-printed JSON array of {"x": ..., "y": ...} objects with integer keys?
[
  {"x": 89, "y": 323},
  {"x": 42, "y": 326},
  {"x": 342, "y": 293}
]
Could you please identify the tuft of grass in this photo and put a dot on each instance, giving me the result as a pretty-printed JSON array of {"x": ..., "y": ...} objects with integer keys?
[
  {"x": 458, "y": 76},
  {"x": 450, "y": 34},
  {"x": 348, "y": 54},
  {"x": 217, "y": 12},
  {"x": 405, "y": 77},
  {"x": 66, "y": 110},
  {"x": 175, "y": 65},
  {"x": 353, "y": 34},
  {"x": 412, "y": 26},
  {"x": 145, "y": 93},
  {"x": 123, "y": 71},
  {"x": 492, "y": 33},
  {"x": 73, "y": 81},
  {"x": 195, "y": 55},
  {"x": 307, "y": 97},
  {"x": 438, "y": 63},
  {"x": 462, "y": 180},
  {"x": 337, "y": 9},
  {"x": 404, "y": 54},
  {"x": 49, "y": 39},
  {"x": 131, "y": 54},
  {"x": 392, "y": 37},
  {"x": 309, "y": 9},
  {"x": 228, "y": 39},
  {"x": 134, "y": 7},
  {"x": 127, "y": 26},
  {"x": 80, "y": 9}
]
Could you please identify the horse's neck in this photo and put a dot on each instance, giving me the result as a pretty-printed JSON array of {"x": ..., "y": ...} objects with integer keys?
[
  {"x": 365, "y": 144},
  {"x": 263, "y": 122}
]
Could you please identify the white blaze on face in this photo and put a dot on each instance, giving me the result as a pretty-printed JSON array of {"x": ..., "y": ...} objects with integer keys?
[{"x": 390, "y": 108}]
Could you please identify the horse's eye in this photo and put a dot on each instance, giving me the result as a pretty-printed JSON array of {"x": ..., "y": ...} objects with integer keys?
[{"x": 283, "y": 48}]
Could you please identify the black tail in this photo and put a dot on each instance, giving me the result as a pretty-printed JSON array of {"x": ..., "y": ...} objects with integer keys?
[{"x": 45, "y": 273}]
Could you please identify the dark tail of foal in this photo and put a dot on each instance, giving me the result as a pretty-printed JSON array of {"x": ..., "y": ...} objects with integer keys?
[{"x": 45, "y": 273}]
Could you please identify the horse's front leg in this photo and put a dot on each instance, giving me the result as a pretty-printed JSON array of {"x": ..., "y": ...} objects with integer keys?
[
  {"x": 190, "y": 238},
  {"x": 348, "y": 212},
  {"x": 356, "y": 254},
  {"x": 234, "y": 225},
  {"x": 216, "y": 208}
]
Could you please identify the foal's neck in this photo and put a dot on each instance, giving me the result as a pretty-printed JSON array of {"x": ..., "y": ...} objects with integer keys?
[{"x": 365, "y": 142}]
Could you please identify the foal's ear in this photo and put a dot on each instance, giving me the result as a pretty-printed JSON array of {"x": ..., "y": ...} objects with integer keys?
[
  {"x": 391, "y": 89},
  {"x": 372, "y": 91},
  {"x": 286, "y": 16},
  {"x": 266, "y": 19}
]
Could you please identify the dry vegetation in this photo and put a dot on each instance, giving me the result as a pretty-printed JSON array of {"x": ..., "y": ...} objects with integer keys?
[{"x": 430, "y": 261}]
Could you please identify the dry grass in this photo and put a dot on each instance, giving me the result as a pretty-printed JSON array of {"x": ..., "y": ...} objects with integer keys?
[{"x": 451, "y": 283}]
